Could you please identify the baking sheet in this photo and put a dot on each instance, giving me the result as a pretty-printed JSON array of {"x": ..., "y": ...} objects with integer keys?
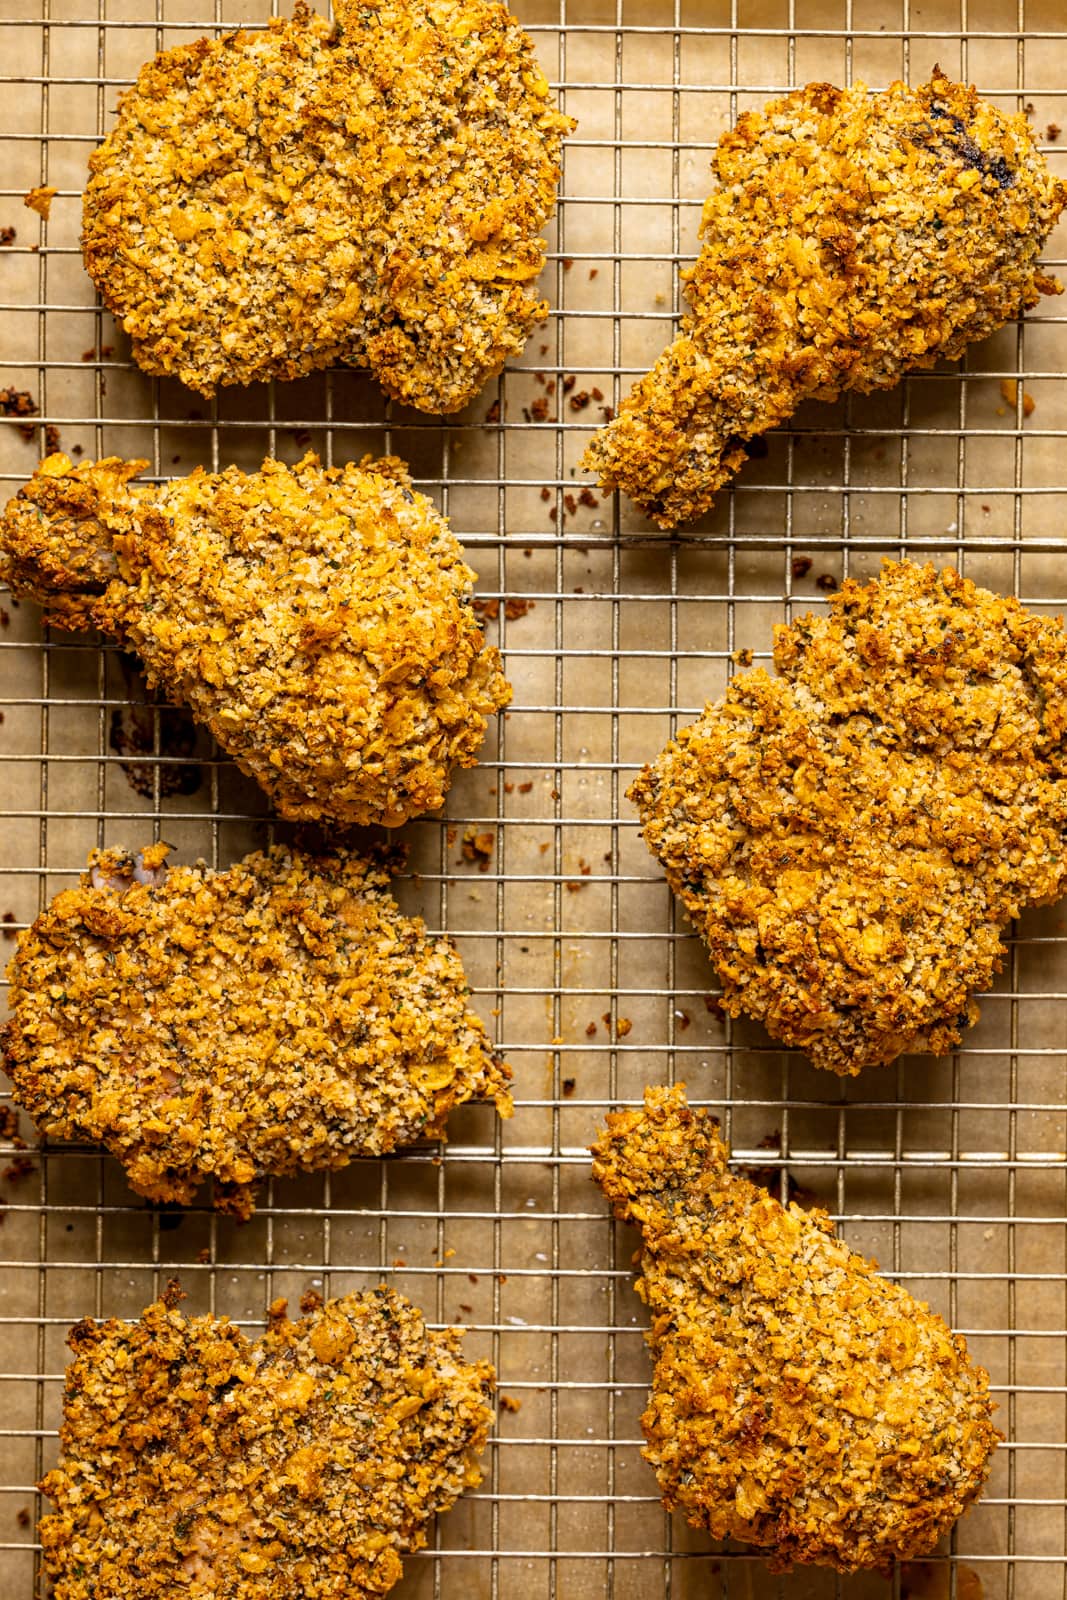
[{"x": 951, "y": 1172}]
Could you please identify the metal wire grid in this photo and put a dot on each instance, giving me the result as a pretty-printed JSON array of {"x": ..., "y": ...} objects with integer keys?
[{"x": 951, "y": 1172}]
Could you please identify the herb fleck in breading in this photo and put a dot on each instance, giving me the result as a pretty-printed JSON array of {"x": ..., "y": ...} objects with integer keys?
[
  {"x": 298, "y": 1466},
  {"x": 799, "y": 1401},
  {"x": 278, "y": 1017},
  {"x": 318, "y": 621},
  {"x": 851, "y": 837},
  {"x": 852, "y": 238},
  {"x": 371, "y": 192}
]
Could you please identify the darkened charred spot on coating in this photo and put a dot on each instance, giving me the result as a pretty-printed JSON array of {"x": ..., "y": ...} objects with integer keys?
[{"x": 960, "y": 144}]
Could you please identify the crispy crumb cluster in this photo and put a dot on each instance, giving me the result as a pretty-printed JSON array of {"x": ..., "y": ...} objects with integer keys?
[
  {"x": 851, "y": 239},
  {"x": 371, "y": 192},
  {"x": 298, "y": 1466},
  {"x": 317, "y": 620},
  {"x": 799, "y": 1402},
  {"x": 279, "y": 1017},
  {"x": 851, "y": 837}
]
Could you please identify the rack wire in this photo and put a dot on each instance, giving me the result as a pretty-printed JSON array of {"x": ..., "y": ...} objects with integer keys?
[{"x": 951, "y": 1172}]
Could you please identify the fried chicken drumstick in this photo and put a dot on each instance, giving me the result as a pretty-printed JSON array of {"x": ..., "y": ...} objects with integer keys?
[
  {"x": 369, "y": 191},
  {"x": 297, "y": 1466},
  {"x": 278, "y": 1017},
  {"x": 852, "y": 238},
  {"x": 851, "y": 837},
  {"x": 317, "y": 620},
  {"x": 799, "y": 1401}
]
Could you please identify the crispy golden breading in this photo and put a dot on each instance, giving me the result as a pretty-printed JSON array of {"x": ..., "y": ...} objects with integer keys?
[
  {"x": 279, "y": 1017},
  {"x": 298, "y": 1466},
  {"x": 852, "y": 238},
  {"x": 371, "y": 192},
  {"x": 799, "y": 1401},
  {"x": 851, "y": 837},
  {"x": 318, "y": 621}
]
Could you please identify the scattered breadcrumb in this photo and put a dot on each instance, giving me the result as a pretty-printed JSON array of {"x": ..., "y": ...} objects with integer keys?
[
  {"x": 506, "y": 1403},
  {"x": 20, "y": 403},
  {"x": 7, "y": 236},
  {"x": 40, "y": 199},
  {"x": 478, "y": 846},
  {"x": 622, "y": 1027},
  {"x": 305, "y": 1462},
  {"x": 569, "y": 1084},
  {"x": 826, "y": 582},
  {"x": 1009, "y": 390},
  {"x": 800, "y": 566},
  {"x": 800, "y": 1402}
]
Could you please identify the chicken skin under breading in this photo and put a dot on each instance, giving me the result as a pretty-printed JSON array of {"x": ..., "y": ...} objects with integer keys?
[
  {"x": 852, "y": 239},
  {"x": 369, "y": 191},
  {"x": 317, "y": 620},
  {"x": 279, "y": 1017},
  {"x": 851, "y": 837},
  {"x": 799, "y": 1401},
  {"x": 298, "y": 1466}
]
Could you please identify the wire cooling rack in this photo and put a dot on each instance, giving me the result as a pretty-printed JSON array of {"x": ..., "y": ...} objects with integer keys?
[{"x": 951, "y": 1172}]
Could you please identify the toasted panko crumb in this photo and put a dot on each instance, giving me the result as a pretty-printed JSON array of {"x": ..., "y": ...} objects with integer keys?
[
  {"x": 851, "y": 239},
  {"x": 278, "y": 1017},
  {"x": 851, "y": 837},
  {"x": 40, "y": 199},
  {"x": 297, "y": 1466},
  {"x": 799, "y": 1401},
  {"x": 369, "y": 191},
  {"x": 317, "y": 620}
]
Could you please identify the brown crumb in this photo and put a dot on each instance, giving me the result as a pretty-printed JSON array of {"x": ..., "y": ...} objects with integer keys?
[
  {"x": 1009, "y": 389},
  {"x": 567, "y": 263},
  {"x": 23, "y": 1517},
  {"x": 539, "y": 410},
  {"x": 608, "y": 413},
  {"x": 472, "y": 1277},
  {"x": 742, "y": 658},
  {"x": 800, "y": 566},
  {"x": 580, "y": 400},
  {"x": 587, "y": 498},
  {"x": 525, "y": 788},
  {"x": 9, "y": 1123},
  {"x": 7, "y": 236},
  {"x": 493, "y": 414},
  {"x": 715, "y": 1006},
  {"x": 553, "y": 794},
  {"x": 623, "y": 1027},
  {"x": 506, "y": 1403},
  {"x": 826, "y": 581},
  {"x": 546, "y": 494},
  {"x": 465, "y": 1308},
  {"x": 598, "y": 394},
  {"x": 553, "y": 514},
  {"x": 40, "y": 199},
  {"x": 590, "y": 1030},
  {"x": 7, "y": 919},
  {"x": 19, "y": 403},
  {"x": 572, "y": 887},
  {"x": 399, "y": 1261},
  {"x": 569, "y": 382},
  {"x": 683, "y": 1019},
  {"x": 1052, "y": 132},
  {"x": 478, "y": 847},
  {"x": 545, "y": 847},
  {"x": 570, "y": 504},
  {"x": 569, "y": 1085},
  {"x": 204, "y": 1255},
  {"x": 310, "y": 1301},
  {"x": 20, "y": 1168},
  {"x": 544, "y": 349},
  {"x": 593, "y": 273},
  {"x": 51, "y": 439}
]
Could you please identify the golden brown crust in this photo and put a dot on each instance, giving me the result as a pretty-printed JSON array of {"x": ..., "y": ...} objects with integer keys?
[
  {"x": 278, "y": 1017},
  {"x": 317, "y": 620},
  {"x": 799, "y": 1402},
  {"x": 851, "y": 837},
  {"x": 296, "y": 1467},
  {"x": 852, "y": 238},
  {"x": 371, "y": 192}
]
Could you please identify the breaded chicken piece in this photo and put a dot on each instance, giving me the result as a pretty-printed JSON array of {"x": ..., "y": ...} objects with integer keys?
[
  {"x": 852, "y": 239},
  {"x": 278, "y": 1017},
  {"x": 297, "y": 1466},
  {"x": 799, "y": 1401},
  {"x": 370, "y": 191},
  {"x": 851, "y": 837},
  {"x": 317, "y": 620}
]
